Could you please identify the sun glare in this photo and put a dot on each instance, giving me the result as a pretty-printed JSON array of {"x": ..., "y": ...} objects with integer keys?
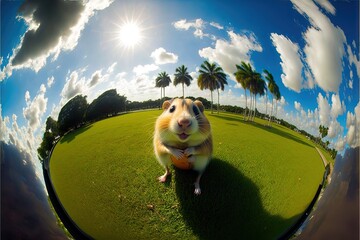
[{"x": 130, "y": 34}]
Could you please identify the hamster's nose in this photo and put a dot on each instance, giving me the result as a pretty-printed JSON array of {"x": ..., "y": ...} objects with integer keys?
[{"x": 184, "y": 122}]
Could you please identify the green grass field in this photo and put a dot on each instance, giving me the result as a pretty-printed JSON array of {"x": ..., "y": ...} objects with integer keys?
[{"x": 257, "y": 185}]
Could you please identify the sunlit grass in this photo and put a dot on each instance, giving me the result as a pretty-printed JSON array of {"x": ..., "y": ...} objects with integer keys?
[{"x": 259, "y": 182}]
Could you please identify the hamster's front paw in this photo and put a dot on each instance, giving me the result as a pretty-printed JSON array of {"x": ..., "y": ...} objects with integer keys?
[
  {"x": 189, "y": 151},
  {"x": 178, "y": 153},
  {"x": 191, "y": 159}
]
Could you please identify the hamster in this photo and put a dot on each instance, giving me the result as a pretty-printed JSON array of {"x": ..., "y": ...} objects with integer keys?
[{"x": 183, "y": 130}]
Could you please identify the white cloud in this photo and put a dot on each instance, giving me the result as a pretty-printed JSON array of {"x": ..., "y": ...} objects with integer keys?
[
  {"x": 229, "y": 53},
  {"x": 95, "y": 78},
  {"x": 25, "y": 139},
  {"x": 309, "y": 120},
  {"x": 144, "y": 69},
  {"x": 335, "y": 129},
  {"x": 337, "y": 107},
  {"x": 329, "y": 113},
  {"x": 198, "y": 25},
  {"x": 351, "y": 82},
  {"x": 4, "y": 122},
  {"x": 199, "y": 33},
  {"x": 298, "y": 106},
  {"x": 183, "y": 24},
  {"x": 111, "y": 68},
  {"x": 138, "y": 87},
  {"x": 282, "y": 101},
  {"x": 74, "y": 85},
  {"x": 216, "y": 25},
  {"x": 352, "y": 136},
  {"x": 27, "y": 96},
  {"x": 324, "y": 110},
  {"x": 324, "y": 48},
  {"x": 50, "y": 81},
  {"x": 162, "y": 57},
  {"x": 238, "y": 85},
  {"x": 310, "y": 82},
  {"x": 36, "y": 108},
  {"x": 327, "y": 6},
  {"x": 340, "y": 144},
  {"x": 2, "y": 75},
  {"x": 194, "y": 75},
  {"x": 353, "y": 60},
  {"x": 45, "y": 38},
  {"x": 350, "y": 119},
  {"x": 353, "y": 127},
  {"x": 290, "y": 61}
]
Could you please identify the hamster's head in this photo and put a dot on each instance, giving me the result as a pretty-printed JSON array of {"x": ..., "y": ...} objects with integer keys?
[{"x": 183, "y": 121}]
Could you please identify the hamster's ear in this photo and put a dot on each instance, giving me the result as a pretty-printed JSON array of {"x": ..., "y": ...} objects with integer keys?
[
  {"x": 199, "y": 105},
  {"x": 166, "y": 105}
]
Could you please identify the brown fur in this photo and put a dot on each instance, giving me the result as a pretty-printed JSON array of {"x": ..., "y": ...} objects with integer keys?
[{"x": 180, "y": 131}]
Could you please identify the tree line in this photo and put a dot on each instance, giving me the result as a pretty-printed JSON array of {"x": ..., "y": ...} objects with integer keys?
[{"x": 77, "y": 112}]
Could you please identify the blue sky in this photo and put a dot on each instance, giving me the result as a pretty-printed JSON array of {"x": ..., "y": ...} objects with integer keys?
[{"x": 49, "y": 55}]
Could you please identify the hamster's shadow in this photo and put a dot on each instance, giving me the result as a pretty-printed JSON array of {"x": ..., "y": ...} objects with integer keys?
[{"x": 229, "y": 206}]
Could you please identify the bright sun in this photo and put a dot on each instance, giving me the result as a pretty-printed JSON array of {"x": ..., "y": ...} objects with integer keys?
[{"x": 130, "y": 34}]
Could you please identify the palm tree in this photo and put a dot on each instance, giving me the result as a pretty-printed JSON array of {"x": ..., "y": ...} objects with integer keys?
[
  {"x": 270, "y": 80},
  {"x": 183, "y": 77},
  {"x": 260, "y": 88},
  {"x": 211, "y": 77},
  {"x": 242, "y": 78},
  {"x": 275, "y": 92},
  {"x": 272, "y": 88},
  {"x": 247, "y": 76},
  {"x": 277, "y": 97},
  {"x": 221, "y": 82},
  {"x": 163, "y": 80},
  {"x": 158, "y": 85}
]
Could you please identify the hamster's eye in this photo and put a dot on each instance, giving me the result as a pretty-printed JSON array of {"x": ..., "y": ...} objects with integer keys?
[
  {"x": 172, "y": 108},
  {"x": 196, "y": 110}
]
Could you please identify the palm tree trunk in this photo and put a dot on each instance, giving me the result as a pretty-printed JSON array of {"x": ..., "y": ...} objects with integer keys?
[
  {"x": 247, "y": 116},
  {"x": 164, "y": 93},
  {"x": 271, "y": 110},
  {"x": 272, "y": 116},
  {"x": 218, "y": 106},
  {"x": 254, "y": 106},
  {"x": 254, "y": 109},
  {"x": 266, "y": 100},
  {"x": 160, "y": 98},
  {"x": 245, "y": 105},
  {"x": 251, "y": 106},
  {"x": 275, "y": 109},
  {"x": 211, "y": 101},
  {"x": 183, "y": 90}
]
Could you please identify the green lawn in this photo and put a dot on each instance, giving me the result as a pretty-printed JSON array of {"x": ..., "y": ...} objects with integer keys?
[{"x": 257, "y": 185}]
